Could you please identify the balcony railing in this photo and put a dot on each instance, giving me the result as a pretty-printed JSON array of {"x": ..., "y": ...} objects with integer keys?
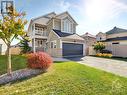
[{"x": 40, "y": 33}]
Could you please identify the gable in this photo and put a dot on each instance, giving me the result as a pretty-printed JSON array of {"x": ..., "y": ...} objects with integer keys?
[
  {"x": 66, "y": 15},
  {"x": 52, "y": 36},
  {"x": 100, "y": 34},
  {"x": 42, "y": 19}
]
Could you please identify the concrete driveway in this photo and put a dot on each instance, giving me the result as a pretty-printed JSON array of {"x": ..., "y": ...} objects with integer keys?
[{"x": 113, "y": 66}]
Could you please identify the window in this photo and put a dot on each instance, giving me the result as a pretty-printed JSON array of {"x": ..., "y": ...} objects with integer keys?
[
  {"x": 39, "y": 43},
  {"x": 67, "y": 26},
  {"x": 115, "y": 43},
  {"x": 53, "y": 44}
]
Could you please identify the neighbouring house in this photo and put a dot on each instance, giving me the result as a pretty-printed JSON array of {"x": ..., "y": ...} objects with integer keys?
[
  {"x": 115, "y": 40},
  {"x": 3, "y": 47},
  {"x": 89, "y": 41},
  {"x": 56, "y": 34}
]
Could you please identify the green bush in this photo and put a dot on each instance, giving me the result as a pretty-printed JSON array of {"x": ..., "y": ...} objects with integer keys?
[{"x": 99, "y": 46}]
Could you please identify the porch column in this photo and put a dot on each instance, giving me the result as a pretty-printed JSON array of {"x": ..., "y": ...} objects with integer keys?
[{"x": 34, "y": 49}]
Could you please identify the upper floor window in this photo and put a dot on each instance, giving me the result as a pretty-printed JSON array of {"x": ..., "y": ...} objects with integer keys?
[{"x": 68, "y": 26}]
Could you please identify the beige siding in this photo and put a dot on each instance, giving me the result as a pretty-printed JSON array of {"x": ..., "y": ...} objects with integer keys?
[
  {"x": 55, "y": 52},
  {"x": 120, "y": 42},
  {"x": 101, "y": 36},
  {"x": 89, "y": 42},
  {"x": 49, "y": 27},
  {"x": 117, "y": 35},
  {"x": 42, "y": 21},
  {"x": 117, "y": 49},
  {"x": 57, "y": 24},
  {"x": 91, "y": 51}
]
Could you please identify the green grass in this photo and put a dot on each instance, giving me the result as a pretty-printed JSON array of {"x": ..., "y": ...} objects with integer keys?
[
  {"x": 18, "y": 62},
  {"x": 69, "y": 78}
]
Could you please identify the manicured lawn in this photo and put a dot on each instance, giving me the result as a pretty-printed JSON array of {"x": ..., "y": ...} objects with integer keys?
[
  {"x": 18, "y": 62},
  {"x": 69, "y": 78}
]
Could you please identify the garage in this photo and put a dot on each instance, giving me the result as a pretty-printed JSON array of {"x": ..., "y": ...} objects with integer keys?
[{"x": 72, "y": 49}]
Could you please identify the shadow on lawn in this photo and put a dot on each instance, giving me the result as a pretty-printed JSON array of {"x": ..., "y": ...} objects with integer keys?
[{"x": 55, "y": 62}]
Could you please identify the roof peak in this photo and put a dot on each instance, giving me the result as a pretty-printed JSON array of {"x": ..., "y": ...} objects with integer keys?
[{"x": 116, "y": 30}]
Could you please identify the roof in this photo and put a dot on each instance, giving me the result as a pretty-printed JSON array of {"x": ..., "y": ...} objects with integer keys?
[
  {"x": 61, "y": 34},
  {"x": 74, "y": 37},
  {"x": 68, "y": 35},
  {"x": 66, "y": 12},
  {"x": 45, "y": 16},
  {"x": 116, "y": 30},
  {"x": 117, "y": 38},
  {"x": 88, "y": 35}
]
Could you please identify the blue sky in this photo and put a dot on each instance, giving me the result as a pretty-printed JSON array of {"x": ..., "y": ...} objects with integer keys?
[{"x": 92, "y": 16}]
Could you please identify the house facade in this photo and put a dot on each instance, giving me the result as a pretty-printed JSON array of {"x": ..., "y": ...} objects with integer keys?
[
  {"x": 3, "y": 47},
  {"x": 56, "y": 34},
  {"x": 89, "y": 41},
  {"x": 115, "y": 40}
]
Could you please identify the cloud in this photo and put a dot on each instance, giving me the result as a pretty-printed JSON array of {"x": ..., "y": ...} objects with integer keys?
[
  {"x": 98, "y": 10},
  {"x": 64, "y": 5}
]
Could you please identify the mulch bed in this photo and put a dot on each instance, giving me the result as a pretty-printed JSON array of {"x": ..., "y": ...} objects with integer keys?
[{"x": 19, "y": 74}]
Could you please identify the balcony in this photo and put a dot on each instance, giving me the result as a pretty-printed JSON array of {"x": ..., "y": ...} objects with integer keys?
[{"x": 40, "y": 33}]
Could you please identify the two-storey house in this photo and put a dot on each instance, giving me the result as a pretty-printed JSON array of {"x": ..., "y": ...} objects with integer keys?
[{"x": 56, "y": 34}]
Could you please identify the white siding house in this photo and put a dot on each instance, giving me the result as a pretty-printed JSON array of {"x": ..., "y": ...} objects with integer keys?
[{"x": 56, "y": 34}]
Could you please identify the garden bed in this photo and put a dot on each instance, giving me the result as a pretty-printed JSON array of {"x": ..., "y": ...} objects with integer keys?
[{"x": 19, "y": 74}]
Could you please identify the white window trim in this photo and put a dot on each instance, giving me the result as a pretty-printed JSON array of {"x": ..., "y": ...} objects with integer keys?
[
  {"x": 67, "y": 26},
  {"x": 54, "y": 44}
]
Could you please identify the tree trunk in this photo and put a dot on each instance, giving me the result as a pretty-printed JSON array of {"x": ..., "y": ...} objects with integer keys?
[{"x": 8, "y": 60}]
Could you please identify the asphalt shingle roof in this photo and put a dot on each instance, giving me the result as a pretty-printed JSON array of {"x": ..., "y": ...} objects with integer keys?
[
  {"x": 116, "y": 30},
  {"x": 61, "y": 34}
]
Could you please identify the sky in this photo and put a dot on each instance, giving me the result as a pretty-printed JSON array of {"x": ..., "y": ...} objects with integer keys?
[{"x": 92, "y": 16}]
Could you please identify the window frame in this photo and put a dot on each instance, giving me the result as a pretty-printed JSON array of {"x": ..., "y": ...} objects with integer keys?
[{"x": 53, "y": 44}]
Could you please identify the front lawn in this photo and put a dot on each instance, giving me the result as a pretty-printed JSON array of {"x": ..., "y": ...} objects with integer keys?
[
  {"x": 69, "y": 78},
  {"x": 18, "y": 62}
]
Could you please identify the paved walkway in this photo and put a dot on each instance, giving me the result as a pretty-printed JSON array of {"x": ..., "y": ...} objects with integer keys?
[
  {"x": 114, "y": 66},
  {"x": 60, "y": 59}
]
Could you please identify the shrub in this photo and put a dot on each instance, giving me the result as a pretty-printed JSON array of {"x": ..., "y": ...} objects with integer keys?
[
  {"x": 39, "y": 60},
  {"x": 99, "y": 46},
  {"x": 104, "y": 55}
]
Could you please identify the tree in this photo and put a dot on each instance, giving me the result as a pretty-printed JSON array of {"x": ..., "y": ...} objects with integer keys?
[
  {"x": 24, "y": 45},
  {"x": 11, "y": 27},
  {"x": 98, "y": 46}
]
